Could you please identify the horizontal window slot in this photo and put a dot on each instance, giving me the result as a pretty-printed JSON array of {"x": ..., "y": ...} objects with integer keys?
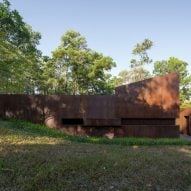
[
  {"x": 147, "y": 121},
  {"x": 72, "y": 121}
]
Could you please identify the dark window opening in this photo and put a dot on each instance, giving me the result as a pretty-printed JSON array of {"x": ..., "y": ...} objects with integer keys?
[
  {"x": 148, "y": 121},
  {"x": 72, "y": 121},
  {"x": 187, "y": 125}
]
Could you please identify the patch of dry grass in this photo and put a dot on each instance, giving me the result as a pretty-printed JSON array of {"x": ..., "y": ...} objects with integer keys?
[{"x": 30, "y": 162}]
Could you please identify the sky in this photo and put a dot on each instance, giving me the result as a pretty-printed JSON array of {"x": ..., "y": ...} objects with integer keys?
[{"x": 113, "y": 27}]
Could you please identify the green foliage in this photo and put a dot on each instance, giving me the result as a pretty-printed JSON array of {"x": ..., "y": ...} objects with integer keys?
[
  {"x": 73, "y": 68},
  {"x": 175, "y": 65},
  {"x": 18, "y": 52},
  {"x": 76, "y": 69},
  {"x": 140, "y": 50},
  {"x": 130, "y": 76},
  {"x": 137, "y": 72}
]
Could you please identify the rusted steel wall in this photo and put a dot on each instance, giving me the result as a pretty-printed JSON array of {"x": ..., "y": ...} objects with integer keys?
[
  {"x": 22, "y": 107},
  {"x": 151, "y": 131},
  {"x": 184, "y": 121},
  {"x": 147, "y": 108},
  {"x": 98, "y": 110},
  {"x": 153, "y": 98}
]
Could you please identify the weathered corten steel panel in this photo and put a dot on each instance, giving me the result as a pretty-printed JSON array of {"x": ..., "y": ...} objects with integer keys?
[
  {"x": 98, "y": 110},
  {"x": 147, "y": 108},
  {"x": 22, "y": 107},
  {"x": 184, "y": 121},
  {"x": 148, "y": 121},
  {"x": 152, "y": 131},
  {"x": 99, "y": 107},
  {"x": 70, "y": 107},
  {"x": 153, "y": 98},
  {"x": 92, "y": 107}
]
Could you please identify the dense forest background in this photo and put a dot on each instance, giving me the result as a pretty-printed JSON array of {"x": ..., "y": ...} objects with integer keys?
[{"x": 74, "y": 68}]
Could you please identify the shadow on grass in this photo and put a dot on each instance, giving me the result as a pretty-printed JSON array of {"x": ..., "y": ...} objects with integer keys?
[{"x": 93, "y": 167}]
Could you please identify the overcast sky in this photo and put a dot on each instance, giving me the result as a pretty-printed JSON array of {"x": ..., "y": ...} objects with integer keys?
[{"x": 113, "y": 27}]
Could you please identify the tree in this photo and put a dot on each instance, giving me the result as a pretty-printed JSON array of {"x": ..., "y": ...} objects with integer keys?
[
  {"x": 130, "y": 76},
  {"x": 140, "y": 50},
  {"x": 137, "y": 72},
  {"x": 176, "y": 65},
  {"x": 18, "y": 53},
  {"x": 15, "y": 31},
  {"x": 78, "y": 69}
]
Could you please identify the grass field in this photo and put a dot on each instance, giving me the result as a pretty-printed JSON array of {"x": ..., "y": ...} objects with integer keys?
[{"x": 33, "y": 157}]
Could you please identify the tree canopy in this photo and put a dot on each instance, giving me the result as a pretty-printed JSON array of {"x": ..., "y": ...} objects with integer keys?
[
  {"x": 77, "y": 69},
  {"x": 18, "y": 52},
  {"x": 140, "y": 50},
  {"x": 137, "y": 72},
  {"x": 176, "y": 65}
]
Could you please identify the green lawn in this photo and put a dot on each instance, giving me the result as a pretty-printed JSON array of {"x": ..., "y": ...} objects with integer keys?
[{"x": 33, "y": 157}]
